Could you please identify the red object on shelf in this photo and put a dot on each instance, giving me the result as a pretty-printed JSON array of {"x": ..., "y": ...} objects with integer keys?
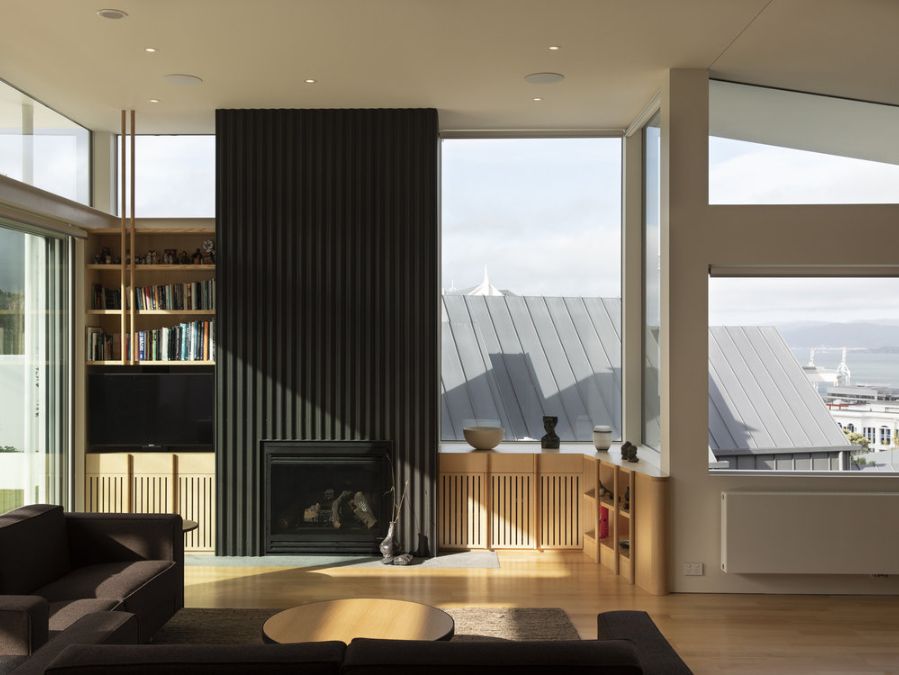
[{"x": 603, "y": 522}]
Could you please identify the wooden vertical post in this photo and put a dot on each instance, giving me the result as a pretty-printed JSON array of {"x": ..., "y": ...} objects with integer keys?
[
  {"x": 122, "y": 215},
  {"x": 131, "y": 349}
]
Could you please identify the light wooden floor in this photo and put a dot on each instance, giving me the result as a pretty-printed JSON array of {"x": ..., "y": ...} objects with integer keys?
[{"x": 713, "y": 633}]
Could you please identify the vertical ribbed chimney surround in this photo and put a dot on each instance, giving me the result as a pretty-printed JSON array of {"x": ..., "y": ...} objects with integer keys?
[{"x": 328, "y": 302}]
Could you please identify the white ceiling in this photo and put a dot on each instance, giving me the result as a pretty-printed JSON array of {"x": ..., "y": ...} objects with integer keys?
[{"x": 467, "y": 58}]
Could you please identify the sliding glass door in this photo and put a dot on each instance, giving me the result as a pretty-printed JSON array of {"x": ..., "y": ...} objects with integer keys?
[{"x": 35, "y": 353}]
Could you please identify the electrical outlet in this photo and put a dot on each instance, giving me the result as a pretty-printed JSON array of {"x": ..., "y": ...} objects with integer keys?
[{"x": 693, "y": 569}]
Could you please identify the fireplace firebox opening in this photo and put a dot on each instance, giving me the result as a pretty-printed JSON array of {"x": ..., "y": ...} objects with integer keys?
[{"x": 326, "y": 496}]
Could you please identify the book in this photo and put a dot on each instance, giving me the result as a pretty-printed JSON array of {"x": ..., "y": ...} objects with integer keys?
[
  {"x": 190, "y": 295},
  {"x": 188, "y": 341}
]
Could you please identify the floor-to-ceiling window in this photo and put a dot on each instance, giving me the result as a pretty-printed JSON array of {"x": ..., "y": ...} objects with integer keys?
[
  {"x": 35, "y": 345},
  {"x": 531, "y": 285}
]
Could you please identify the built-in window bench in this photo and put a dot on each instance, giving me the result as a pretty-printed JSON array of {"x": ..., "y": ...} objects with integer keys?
[{"x": 518, "y": 496}]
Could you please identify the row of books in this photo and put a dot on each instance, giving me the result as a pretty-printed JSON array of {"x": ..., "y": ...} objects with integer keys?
[
  {"x": 104, "y": 346},
  {"x": 192, "y": 341},
  {"x": 190, "y": 295},
  {"x": 105, "y": 298}
]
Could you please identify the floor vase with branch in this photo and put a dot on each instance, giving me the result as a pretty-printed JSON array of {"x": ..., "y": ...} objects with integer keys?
[{"x": 388, "y": 545}]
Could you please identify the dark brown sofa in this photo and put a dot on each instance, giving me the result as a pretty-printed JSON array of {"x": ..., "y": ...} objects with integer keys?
[
  {"x": 57, "y": 568},
  {"x": 639, "y": 648}
]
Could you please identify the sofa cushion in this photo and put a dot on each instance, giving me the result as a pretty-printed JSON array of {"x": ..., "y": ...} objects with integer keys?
[
  {"x": 315, "y": 658},
  {"x": 112, "y": 581},
  {"x": 66, "y": 612},
  {"x": 572, "y": 657},
  {"x": 37, "y": 534}
]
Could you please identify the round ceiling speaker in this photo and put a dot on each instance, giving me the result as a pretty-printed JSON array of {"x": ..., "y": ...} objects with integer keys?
[
  {"x": 544, "y": 78},
  {"x": 182, "y": 79},
  {"x": 112, "y": 13}
]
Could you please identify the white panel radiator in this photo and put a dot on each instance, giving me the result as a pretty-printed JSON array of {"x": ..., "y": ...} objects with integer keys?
[{"x": 810, "y": 532}]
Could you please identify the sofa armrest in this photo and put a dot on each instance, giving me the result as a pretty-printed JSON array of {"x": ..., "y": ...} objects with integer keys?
[
  {"x": 24, "y": 624},
  {"x": 91, "y": 629},
  {"x": 657, "y": 656}
]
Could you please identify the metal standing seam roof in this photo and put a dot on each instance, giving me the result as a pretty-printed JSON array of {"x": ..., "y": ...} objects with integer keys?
[
  {"x": 518, "y": 358},
  {"x": 759, "y": 396}
]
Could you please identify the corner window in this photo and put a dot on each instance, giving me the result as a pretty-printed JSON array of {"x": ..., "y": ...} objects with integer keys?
[{"x": 531, "y": 286}]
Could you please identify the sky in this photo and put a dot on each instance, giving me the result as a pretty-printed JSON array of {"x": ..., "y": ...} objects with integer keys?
[{"x": 543, "y": 215}]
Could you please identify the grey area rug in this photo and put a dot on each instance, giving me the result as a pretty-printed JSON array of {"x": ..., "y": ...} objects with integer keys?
[
  {"x": 462, "y": 560},
  {"x": 244, "y": 626}
]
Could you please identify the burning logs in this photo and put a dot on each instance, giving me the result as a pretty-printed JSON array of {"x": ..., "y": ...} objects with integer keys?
[{"x": 343, "y": 510}]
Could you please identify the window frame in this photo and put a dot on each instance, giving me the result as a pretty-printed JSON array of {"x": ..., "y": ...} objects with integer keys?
[
  {"x": 804, "y": 271},
  {"x": 629, "y": 418}
]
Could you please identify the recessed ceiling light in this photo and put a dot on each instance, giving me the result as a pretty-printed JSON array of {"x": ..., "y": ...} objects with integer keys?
[
  {"x": 544, "y": 78},
  {"x": 150, "y": 50},
  {"x": 554, "y": 48},
  {"x": 310, "y": 81},
  {"x": 154, "y": 100},
  {"x": 112, "y": 13},
  {"x": 536, "y": 98},
  {"x": 182, "y": 79}
]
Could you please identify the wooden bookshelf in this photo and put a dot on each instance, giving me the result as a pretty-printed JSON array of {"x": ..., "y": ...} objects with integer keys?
[{"x": 121, "y": 273}]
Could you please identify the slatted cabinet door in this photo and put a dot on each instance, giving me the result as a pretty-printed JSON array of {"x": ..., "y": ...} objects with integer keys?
[
  {"x": 107, "y": 483},
  {"x": 462, "y": 499},
  {"x": 160, "y": 482},
  {"x": 560, "y": 479},
  {"x": 513, "y": 503}
]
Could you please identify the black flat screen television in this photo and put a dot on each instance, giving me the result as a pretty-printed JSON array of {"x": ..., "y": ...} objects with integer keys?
[{"x": 150, "y": 411}]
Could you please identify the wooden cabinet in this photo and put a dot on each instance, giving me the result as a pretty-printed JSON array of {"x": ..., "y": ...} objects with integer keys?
[
  {"x": 157, "y": 482},
  {"x": 612, "y": 511}
]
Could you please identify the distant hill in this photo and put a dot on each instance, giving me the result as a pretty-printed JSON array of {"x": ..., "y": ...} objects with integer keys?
[{"x": 874, "y": 336}]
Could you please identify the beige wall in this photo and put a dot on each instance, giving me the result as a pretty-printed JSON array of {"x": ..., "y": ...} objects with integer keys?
[{"x": 696, "y": 236}]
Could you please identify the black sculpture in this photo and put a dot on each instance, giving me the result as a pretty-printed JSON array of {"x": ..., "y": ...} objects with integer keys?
[
  {"x": 629, "y": 452},
  {"x": 550, "y": 441}
]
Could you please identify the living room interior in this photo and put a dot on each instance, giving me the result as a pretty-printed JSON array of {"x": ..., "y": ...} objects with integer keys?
[{"x": 530, "y": 334}]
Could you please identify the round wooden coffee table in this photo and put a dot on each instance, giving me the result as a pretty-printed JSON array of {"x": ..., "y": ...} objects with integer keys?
[{"x": 351, "y": 618}]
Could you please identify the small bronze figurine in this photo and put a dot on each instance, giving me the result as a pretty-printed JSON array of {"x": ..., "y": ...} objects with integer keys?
[
  {"x": 629, "y": 452},
  {"x": 550, "y": 441},
  {"x": 197, "y": 258},
  {"x": 208, "y": 252}
]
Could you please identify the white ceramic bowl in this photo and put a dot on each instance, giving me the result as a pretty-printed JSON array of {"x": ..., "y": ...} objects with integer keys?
[{"x": 482, "y": 437}]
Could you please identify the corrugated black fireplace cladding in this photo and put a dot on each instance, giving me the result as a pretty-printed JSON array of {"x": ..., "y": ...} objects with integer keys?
[{"x": 328, "y": 299}]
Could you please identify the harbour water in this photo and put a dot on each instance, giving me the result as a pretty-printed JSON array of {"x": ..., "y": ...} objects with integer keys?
[{"x": 865, "y": 367}]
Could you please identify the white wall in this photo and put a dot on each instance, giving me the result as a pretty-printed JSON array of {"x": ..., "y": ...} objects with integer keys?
[{"x": 696, "y": 236}]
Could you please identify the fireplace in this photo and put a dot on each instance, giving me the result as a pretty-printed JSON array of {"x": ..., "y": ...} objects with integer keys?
[{"x": 326, "y": 496}]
